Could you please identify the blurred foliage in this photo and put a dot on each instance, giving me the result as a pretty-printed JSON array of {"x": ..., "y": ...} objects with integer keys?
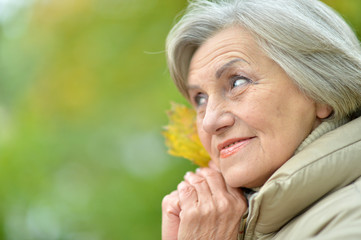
[
  {"x": 83, "y": 94},
  {"x": 84, "y": 90}
]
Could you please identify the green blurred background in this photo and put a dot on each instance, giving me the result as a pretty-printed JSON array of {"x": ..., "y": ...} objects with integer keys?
[{"x": 83, "y": 93}]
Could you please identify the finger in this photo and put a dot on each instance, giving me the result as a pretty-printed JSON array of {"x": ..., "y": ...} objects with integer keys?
[
  {"x": 170, "y": 204},
  {"x": 200, "y": 184},
  {"x": 187, "y": 195},
  {"x": 170, "y": 216},
  {"x": 213, "y": 165},
  {"x": 217, "y": 183},
  {"x": 225, "y": 197},
  {"x": 214, "y": 179}
]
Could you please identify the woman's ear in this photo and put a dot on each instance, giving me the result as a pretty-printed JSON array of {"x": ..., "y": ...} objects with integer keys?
[{"x": 323, "y": 110}]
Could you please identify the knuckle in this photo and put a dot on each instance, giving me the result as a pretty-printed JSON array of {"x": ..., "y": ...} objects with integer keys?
[
  {"x": 186, "y": 190},
  {"x": 167, "y": 209},
  {"x": 207, "y": 210},
  {"x": 198, "y": 180},
  {"x": 168, "y": 200},
  {"x": 224, "y": 205}
]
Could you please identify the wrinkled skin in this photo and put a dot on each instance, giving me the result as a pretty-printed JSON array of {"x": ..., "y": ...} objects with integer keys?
[{"x": 202, "y": 207}]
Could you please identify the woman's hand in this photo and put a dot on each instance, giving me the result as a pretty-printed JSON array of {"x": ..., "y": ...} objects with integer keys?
[
  {"x": 209, "y": 208},
  {"x": 203, "y": 207},
  {"x": 170, "y": 216}
]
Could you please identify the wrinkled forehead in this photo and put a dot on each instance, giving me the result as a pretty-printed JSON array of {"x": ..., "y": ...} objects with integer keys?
[{"x": 227, "y": 47}]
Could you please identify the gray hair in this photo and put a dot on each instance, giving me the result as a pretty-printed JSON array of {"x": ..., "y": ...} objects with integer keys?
[{"x": 308, "y": 39}]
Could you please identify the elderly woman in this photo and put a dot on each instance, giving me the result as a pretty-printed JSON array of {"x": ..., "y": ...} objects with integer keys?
[{"x": 276, "y": 85}]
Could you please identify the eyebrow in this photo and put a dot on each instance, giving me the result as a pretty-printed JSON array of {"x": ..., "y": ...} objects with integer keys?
[
  {"x": 220, "y": 71},
  {"x": 225, "y": 66}
]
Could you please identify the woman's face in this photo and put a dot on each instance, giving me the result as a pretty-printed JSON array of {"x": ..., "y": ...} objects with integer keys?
[{"x": 250, "y": 115}]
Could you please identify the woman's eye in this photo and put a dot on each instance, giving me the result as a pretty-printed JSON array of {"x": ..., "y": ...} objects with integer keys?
[
  {"x": 240, "y": 81},
  {"x": 200, "y": 99}
]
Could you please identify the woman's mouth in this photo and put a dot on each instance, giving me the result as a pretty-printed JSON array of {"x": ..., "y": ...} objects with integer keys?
[{"x": 232, "y": 146}]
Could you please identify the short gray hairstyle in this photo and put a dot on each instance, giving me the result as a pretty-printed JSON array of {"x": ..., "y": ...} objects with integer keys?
[{"x": 306, "y": 38}]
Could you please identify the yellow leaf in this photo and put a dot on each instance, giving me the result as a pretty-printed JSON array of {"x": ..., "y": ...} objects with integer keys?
[{"x": 181, "y": 135}]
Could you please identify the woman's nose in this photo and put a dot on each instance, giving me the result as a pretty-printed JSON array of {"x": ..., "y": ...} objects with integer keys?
[{"x": 217, "y": 118}]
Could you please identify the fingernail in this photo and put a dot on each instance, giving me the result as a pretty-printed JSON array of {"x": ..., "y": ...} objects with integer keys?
[{"x": 198, "y": 170}]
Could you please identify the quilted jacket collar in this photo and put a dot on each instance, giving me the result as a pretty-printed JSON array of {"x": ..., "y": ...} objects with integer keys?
[{"x": 321, "y": 167}]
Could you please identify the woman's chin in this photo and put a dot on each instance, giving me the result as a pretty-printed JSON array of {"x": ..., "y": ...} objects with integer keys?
[{"x": 239, "y": 179}]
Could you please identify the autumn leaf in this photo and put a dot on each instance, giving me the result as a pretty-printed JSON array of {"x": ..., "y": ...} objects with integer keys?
[{"x": 181, "y": 135}]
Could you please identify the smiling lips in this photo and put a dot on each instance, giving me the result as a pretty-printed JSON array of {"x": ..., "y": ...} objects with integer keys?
[{"x": 232, "y": 146}]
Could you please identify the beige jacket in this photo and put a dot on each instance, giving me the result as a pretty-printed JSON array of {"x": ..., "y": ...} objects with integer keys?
[{"x": 314, "y": 195}]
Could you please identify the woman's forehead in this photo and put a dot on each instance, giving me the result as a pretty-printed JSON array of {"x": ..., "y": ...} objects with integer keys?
[{"x": 229, "y": 44}]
